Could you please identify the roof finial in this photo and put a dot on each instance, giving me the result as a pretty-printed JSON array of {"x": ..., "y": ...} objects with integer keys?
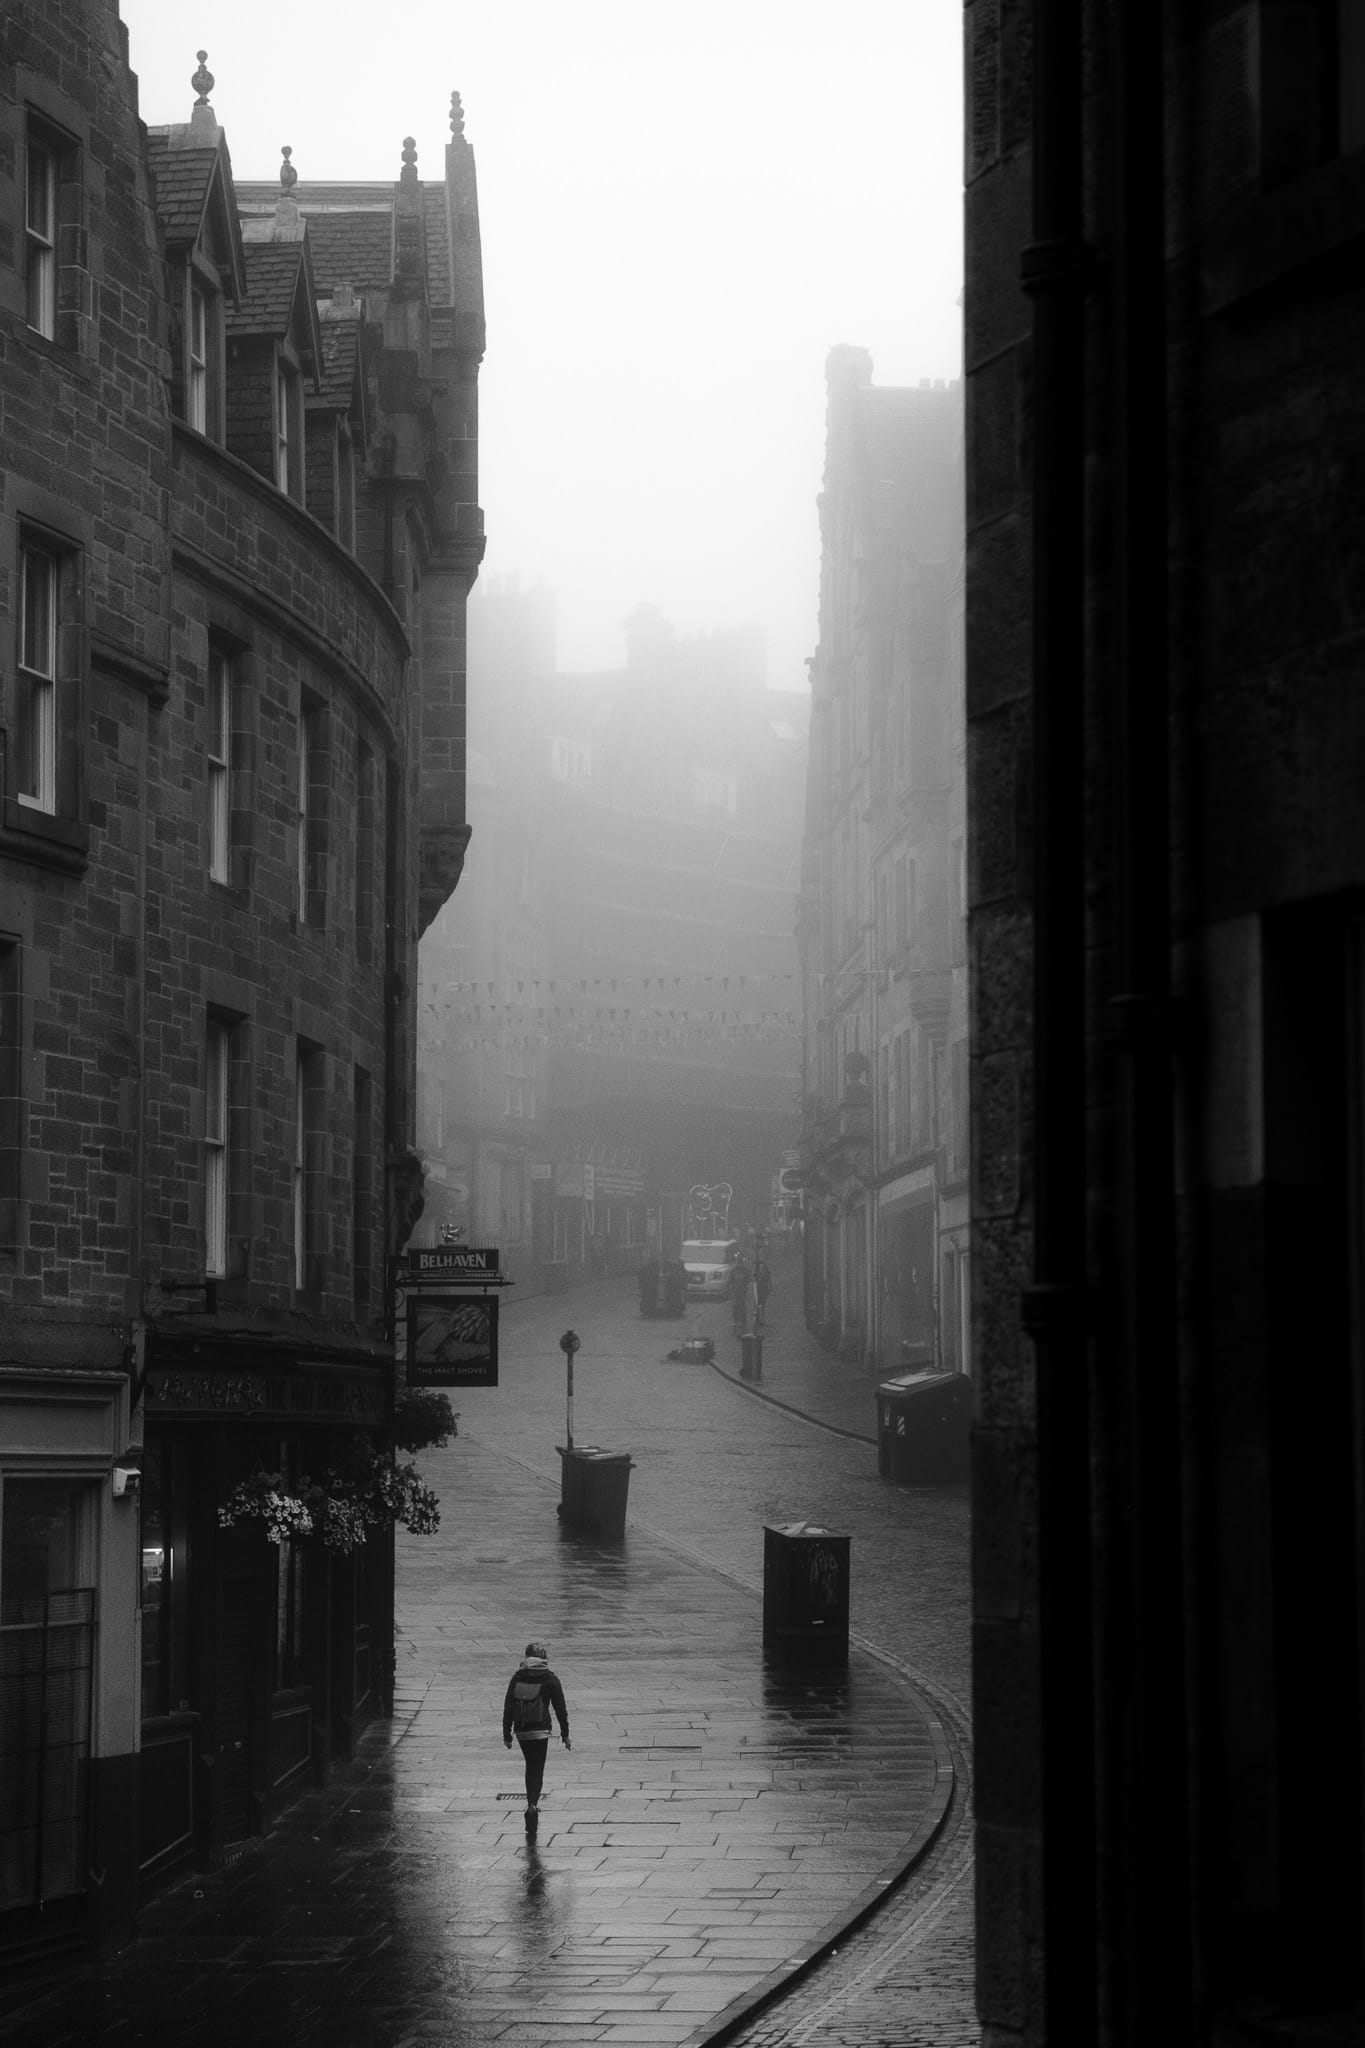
[
  {"x": 202, "y": 130},
  {"x": 289, "y": 177},
  {"x": 409, "y": 172},
  {"x": 456, "y": 118}
]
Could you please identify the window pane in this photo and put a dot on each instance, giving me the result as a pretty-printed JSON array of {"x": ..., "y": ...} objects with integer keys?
[
  {"x": 197, "y": 383},
  {"x": 300, "y": 1186},
  {"x": 219, "y": 740},
  {"x": 41, "y": 236},
  {"x": 37, "y": 749},
  {"x": 38, "y": 630},
  {"x": 305, "y": 738},
  {"x": 283, "y": 393},
  {"x": 215, "y": 1112},
  {"x": 41, "y": 191},
  {"x": 47, "y": 1627},
  {"x": 217, "y": 1050}
]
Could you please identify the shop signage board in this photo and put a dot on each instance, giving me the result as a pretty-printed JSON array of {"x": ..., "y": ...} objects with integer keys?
[
  {"x": 452, "y": 1340},
  {"x": 450, "y": 1262},
  {"x": 289, "y": 1396},
  {"x": 619, "y": 1183}
]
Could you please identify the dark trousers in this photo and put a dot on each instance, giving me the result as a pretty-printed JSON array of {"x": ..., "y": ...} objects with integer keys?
[{"x": 534, "y": 1753}]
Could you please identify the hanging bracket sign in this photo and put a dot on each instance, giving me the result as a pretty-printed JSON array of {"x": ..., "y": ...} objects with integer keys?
[
  {"x": 451, "y": 1262},
  {"x": 452, "y": 1340}
]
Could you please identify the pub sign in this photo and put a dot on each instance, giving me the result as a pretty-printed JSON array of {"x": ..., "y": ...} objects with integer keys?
[{"x": 452, "y": 1340}]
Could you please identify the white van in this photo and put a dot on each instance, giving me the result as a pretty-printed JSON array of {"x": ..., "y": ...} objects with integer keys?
[{"x": 708, "y": 1262}]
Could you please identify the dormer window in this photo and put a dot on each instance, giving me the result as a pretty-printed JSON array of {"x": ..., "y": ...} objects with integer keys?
[
  {"x": 197, "y": 388},
  {"x": 345, "y": 526},
  {"x": 288, "y": 466},
  {"x": 197, "y": 361}
]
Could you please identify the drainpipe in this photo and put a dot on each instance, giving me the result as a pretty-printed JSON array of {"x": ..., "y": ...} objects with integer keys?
[
  {"x": 1149, "y": 1732},
  {"x": 1054, "y": 273}
]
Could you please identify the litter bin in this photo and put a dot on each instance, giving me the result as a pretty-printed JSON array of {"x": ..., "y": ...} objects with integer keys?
[
  {"x": 805, "y": 1593},
  {"x": 751, "y": 1355},
  {"x": 593, "y": 1488},
  {"x": 923, "y": 1426}
]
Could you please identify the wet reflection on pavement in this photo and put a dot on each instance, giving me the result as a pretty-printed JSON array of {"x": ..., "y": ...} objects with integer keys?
[{"x": 713, "y": 1815}]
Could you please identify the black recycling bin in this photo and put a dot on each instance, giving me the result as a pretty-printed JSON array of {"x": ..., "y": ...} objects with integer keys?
[
  {"x": 805, "y": 1593},
  {"x": 924, "y": 1424},
  {"x": 751, "y": 1355},
  {"x": 593, "y": 1489}
]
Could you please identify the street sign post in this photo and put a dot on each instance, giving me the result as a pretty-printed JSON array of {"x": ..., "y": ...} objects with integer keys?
[{"x": 568, "y": 1344}]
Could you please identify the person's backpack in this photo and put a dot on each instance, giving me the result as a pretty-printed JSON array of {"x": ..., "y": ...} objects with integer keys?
[{"x": 530, "y": 1707}]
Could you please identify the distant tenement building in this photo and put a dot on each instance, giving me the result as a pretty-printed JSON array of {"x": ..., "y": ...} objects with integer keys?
[
  {"x": 882, "y": 925},
  {"x": 611, "y": 1015},
  {"x": 238, "y": 524}
]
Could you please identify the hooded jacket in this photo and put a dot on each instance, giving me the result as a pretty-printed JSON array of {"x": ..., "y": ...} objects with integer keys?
[{"x": 551, "y": 1689}]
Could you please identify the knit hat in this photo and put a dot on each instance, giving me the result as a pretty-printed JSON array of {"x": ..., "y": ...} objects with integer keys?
[{"x": 535, "y": 1650}]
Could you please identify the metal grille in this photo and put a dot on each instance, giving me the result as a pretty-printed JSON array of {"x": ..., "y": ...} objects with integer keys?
[{"x": 46, "y": 1664}]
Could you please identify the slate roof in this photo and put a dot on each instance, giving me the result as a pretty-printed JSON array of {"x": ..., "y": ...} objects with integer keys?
[
  {"x": 185, "y": 177},
  {"x": 183, "y": 180},
  {"x": 272, "y": 277},
  {"x": 351, "y": 248}
]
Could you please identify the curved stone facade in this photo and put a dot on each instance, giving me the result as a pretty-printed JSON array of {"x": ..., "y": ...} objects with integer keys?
[{"x": 237, "y": 530}]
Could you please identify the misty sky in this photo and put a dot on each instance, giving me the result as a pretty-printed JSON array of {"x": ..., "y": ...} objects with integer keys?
[{"x": 683, "y": 208}]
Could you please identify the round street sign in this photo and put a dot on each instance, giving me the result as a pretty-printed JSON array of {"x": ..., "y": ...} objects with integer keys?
[{"x": 569, "y": 1343}]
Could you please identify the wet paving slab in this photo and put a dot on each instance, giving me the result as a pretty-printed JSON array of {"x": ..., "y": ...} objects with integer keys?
[{"x": 714, "y": 1818}]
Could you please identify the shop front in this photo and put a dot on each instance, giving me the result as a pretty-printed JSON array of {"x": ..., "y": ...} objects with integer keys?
[
  {"x": 68, "y": 1536},
  {"x": 906, "y": 1256},
  {"x": 265, "y": 1649},
  {"x": 596, "y": 1223}
]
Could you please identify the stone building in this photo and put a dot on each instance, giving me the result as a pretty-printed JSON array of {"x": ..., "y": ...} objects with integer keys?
[
  {"x": 483, "y": 1099},
  {"x": 237, "y": 528},
  {"x": 1165, "y": 638},
  {"x": 883, "y": 936},
  {"x": 620, "y": 998}
]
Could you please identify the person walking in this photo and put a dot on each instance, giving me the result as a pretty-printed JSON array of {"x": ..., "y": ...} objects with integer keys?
[
  {"x": 533, "y": 1692},
  {"x": 763, "y": 1281},
  {"x": 739, "y": 1295}
]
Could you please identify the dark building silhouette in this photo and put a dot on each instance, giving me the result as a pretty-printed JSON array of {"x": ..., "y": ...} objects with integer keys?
[
  {"x": 237, "y": 528},
  {"x": 1165, "y": 641}
]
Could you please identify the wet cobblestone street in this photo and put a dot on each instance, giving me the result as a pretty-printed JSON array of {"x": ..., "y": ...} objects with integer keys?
[{"x": 714, "y": 1820}]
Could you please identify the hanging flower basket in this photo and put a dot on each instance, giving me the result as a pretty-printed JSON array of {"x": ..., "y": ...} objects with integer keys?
[
  {"x": 265, "y": 1498},
  {"x": 340, "y": 1508}
]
